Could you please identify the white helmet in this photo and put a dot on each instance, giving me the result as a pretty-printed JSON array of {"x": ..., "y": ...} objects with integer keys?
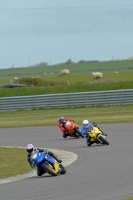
[
  {"x": 30, "y": 148},
  {"x": 85, "y": 123},
  {"x": 60, "y": 118}
]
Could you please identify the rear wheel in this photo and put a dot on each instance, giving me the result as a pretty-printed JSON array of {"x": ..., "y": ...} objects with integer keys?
[
  {"x": 103, "y": 140},
  {"x": 50, "y": 170},
  {"x": 77, "y": 132}
]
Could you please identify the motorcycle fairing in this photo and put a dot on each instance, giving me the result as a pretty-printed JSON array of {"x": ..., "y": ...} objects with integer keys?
[
  {"x": 41, "y": 158},
  {"x": 95, "y": 133}
]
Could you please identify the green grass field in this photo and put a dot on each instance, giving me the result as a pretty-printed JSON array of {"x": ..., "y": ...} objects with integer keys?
[
  {"x": 48, "y": 117},
  {"x": 76, "y": 68},
  {"x": 10, "y": 92},
  {"x": 13, "y": 164},
  {"x": 80, "y": 79}
]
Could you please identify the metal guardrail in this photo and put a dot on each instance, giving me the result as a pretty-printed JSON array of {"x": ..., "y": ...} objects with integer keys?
[{"x": 67, "y": 100}]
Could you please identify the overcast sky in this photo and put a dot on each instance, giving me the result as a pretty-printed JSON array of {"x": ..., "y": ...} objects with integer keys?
[{"x": 34, "y": 31}]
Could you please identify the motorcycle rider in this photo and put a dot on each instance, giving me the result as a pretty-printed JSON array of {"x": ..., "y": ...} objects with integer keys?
[
  {"x": 87, "y": 127},
  {"x": 61, "y": 122},
  {"x": 31, "y": 149}
]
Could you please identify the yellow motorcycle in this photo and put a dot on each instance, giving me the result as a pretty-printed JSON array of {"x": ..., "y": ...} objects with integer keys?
[{"x": 97, "y": 136}]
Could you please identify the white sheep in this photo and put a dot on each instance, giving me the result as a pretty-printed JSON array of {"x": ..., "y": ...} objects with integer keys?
[
  {"x": 97, "y": 75},
  {"x": 64, "y": 72}
]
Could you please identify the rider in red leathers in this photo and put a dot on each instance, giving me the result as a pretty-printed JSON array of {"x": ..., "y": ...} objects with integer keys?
[{"x": 61, "y": 121}]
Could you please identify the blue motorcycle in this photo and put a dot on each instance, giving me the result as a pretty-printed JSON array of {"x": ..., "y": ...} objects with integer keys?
[{"x": 46, "y": 164}]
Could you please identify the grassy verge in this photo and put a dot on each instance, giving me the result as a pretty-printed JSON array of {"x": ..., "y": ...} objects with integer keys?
[
  {"x": 101, "y": 115},
  {"x": 13, "y": 162},
  {"x": 10, "y": 92},
  {"x": 129, "y": 198}
]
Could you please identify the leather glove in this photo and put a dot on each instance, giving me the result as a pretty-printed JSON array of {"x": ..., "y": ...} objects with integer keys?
[
  {"x": 86, "y": 134},
  {"x": 82, "y": 135},
  {"x": 50, "y": 153},
  {"x": 32, "y": 165},
  {"x": 94, "y": 124},
  {"x": 45, "y": 151}
]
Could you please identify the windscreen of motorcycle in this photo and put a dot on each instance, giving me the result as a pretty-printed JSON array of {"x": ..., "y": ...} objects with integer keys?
[{"x": 37, "y": 157}]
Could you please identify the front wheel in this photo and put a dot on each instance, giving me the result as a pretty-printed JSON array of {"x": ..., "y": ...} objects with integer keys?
[
  {"x": 63, "y": 169},
  {"x": 103, "y": 140},
  {"x": 50, "y": 170},
  {"x": 39, "y": 172}
]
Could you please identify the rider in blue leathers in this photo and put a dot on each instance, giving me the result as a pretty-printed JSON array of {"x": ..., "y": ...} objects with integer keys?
[
  {"x": 87, "y": 127},
  {"x": 31, "y": 149}
]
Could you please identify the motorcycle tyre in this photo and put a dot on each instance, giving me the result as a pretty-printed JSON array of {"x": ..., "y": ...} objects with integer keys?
[
  {"x": 39, "y": 173},
  {"x": 103, "y": 140},
  {"x": 50, "y": 170},
  {"x": 63, "y": 169},
  {"x": 78, "y": 132}
]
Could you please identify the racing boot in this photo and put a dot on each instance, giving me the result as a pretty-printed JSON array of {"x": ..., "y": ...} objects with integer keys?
[
  {"x": 51, "y": 154},
  {"x": 66, "y": 135},
  {"x": 90, "y": 143}
]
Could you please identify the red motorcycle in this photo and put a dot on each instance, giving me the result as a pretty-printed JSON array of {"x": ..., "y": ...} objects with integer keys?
[{"x": 73, "y": 129}]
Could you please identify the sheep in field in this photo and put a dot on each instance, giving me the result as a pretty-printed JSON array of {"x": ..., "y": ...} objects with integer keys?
[
  {"x": 64, "y": 72},
  {"x": 97, "y": 75}
]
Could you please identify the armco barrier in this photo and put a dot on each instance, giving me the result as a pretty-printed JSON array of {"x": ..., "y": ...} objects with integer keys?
[{"x": 67, "y": 100}]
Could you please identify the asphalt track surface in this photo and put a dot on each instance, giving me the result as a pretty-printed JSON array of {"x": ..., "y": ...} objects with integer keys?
[{"x": 99, "y": 173}]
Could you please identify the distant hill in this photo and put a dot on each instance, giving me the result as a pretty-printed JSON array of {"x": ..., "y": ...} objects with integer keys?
[{"x": 131, "y": 58}]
